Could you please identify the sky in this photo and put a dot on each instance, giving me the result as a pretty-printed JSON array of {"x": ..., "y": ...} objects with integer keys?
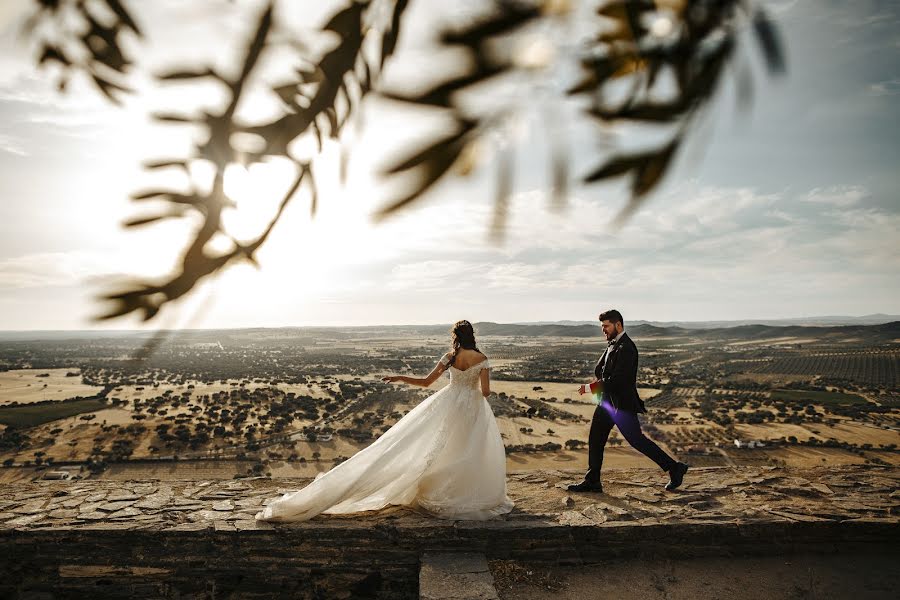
[{"x": 788, "y": 209}]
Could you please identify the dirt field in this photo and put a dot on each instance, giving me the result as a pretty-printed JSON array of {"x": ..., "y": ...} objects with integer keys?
[
  {"x": 847, "y": 431},
  {"x": 316, "y": 389},
  {"x": 24, "y": 386},
  {"x": 822, "y": 577},
  {"x": 805, "y": 456},
  {"x": 525, "y": 389},
  {"x": 78, "y": 437},
  {"x": 31, "y": 415},
  {"x": 560, "y": 391},
  {"x": 766, "y": 378},
  {"x": 624, "y": 457}
]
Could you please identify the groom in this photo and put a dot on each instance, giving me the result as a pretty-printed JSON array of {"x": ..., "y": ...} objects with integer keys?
[{"x": 619, "y": 405}]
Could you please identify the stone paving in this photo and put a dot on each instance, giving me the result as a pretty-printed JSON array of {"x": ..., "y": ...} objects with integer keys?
[{"x": 632, "y": 497}]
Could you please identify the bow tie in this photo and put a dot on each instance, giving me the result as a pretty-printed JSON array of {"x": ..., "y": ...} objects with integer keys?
[{"x": 611, "y": 343}]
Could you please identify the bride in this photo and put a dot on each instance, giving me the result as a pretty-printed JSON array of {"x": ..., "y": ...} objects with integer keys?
[{"x": 445, "y": 456}]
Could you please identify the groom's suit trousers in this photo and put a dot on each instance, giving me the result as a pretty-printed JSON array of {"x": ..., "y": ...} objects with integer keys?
[{"x": 605, "y": 416}]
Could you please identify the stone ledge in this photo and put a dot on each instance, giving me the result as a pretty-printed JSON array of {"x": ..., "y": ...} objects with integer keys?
[{"x": 176, "y": 539}]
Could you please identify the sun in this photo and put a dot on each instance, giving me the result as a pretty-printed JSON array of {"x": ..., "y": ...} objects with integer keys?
[
  {"x": 305, "y": 251},
  {"x": 256, "y": 191}
]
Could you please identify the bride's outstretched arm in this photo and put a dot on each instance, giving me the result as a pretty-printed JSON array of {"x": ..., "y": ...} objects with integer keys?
[{"x": 420, "y": 381}]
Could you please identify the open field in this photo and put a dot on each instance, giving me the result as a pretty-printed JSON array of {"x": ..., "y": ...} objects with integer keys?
[
  {"x": 547, "y": 390},
  {"x": 36, "y": 385},
  {"x": 255, "y": 399},
  {"x": 31, "y": 415},
  {"x": 819, "y": 397},
  {"x": 853, "y": 433},
  {"x": 613, "y": 458},
  {"x": 795, "y": 456}
]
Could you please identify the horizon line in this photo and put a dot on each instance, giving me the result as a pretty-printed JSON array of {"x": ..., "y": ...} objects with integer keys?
[{"x": 562, "y": 322}]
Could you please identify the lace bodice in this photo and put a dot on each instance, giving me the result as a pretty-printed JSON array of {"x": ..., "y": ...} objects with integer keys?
[{"x": 468, "y": 377}]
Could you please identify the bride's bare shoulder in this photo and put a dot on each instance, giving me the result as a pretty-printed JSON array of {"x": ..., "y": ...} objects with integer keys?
[{"x": 466, "y": 358}]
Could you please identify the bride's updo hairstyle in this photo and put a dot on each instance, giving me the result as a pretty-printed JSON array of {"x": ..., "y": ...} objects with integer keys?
[{"x": 462, "y": 336}]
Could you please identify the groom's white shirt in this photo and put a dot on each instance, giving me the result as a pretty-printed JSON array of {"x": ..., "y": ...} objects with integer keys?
[
  {"x": 592, "y": 387},
  {"x": 615, "y": 341},
  {"x": 618, "y": 337}
]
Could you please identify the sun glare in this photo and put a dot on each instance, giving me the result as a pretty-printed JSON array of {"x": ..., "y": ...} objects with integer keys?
[
  {"x": 256, "y": 192},
  {"x": 306, "y": 255}
]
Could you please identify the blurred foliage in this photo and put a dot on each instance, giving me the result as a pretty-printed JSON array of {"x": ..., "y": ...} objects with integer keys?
[
  {"x": 653, "y": 62},
  {"x": 86, "y": 37}
]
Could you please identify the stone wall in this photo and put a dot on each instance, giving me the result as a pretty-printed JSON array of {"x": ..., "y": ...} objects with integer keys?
[{"x": 94, "y": 539}]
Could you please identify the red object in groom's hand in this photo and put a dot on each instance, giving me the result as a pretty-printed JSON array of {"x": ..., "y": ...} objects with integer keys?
[{"x": 594, "y": 388}]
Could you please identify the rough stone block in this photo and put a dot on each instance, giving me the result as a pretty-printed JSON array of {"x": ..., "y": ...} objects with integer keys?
[{"x": 456, "y": 577}]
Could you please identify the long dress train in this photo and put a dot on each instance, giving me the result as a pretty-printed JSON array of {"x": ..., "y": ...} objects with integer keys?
[{"x": 445, "y": 456}]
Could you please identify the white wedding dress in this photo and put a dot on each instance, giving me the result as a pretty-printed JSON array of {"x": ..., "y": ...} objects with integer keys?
[{"x": 445, "y": 456}]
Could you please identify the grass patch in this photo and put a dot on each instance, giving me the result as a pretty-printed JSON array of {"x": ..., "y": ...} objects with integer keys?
[
  {"x": 817, "y": 397},
  {"x": 31, "y": 415}
]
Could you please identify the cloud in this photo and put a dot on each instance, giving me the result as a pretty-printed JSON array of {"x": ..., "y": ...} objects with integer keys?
[
  {"x": 432, "y": 275},
  {"x": 704, "y": 235},
  {"x": 697, "y": 252},
  {"x": 52, "y": 269},
  {"x": 780, "y": 7},
  {"x": 890, "y": 87},
  {"x": 12, "y": 145},
  {"x": 837, "y": 196}
]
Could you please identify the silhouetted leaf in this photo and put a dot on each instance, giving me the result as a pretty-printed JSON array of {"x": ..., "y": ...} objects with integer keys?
[
  {"x": 103, "y": 45},
  {"x": 139, "y": 221},
  {"x": 559, "y": 176},
  {"x": 123, "y": 16},
  {"x": 389, "y": 40},
  {"x": 652, "y": 168},
  {"x": 429, "y": 153},
  {"x": 318, "y": 133},
  {"x": 440, "y": 95},
  {"x": 162, "y": 164},
  {"x": 658, "y": 113},
  {"x": 197, "y": 73},
  {"x": 147, "y": 195},
  {"x": 502, "y": 192},
  {"x": 511, "y": 17},
  {"x": 169, "y": 196},
  {"x": 287, "y": 93},
  {"x": 616, "y": 166},
  {"x": 769, "y": 41},
  {"x": 332, "y": 121},
  {"x": 702, "y": 85},
  {"x": 587, "y": 82},
  {"x": 346, "y": 21},
  {"x": 627, "y": 13},
  {"x": 627, "y": 66},
  {"x": 109, "y": 88},
  {"x": 308, "y": 74},
  {"x": 429, "y": 173},
  {"x": 252, "y": 55},
  {"x": 365, "y": 80},
  {"x": 744, "y": 93},
  {"x": 601, "y": 68},
  {"x": 52, "y": 53},
  {"x": 619, "y": 33},
  {"x": 173, "y": 118},
  {"x": 313, "y": 194}
]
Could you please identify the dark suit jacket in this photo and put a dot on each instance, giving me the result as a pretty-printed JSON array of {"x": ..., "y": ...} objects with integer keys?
[{"x": 617, "y": 369}]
